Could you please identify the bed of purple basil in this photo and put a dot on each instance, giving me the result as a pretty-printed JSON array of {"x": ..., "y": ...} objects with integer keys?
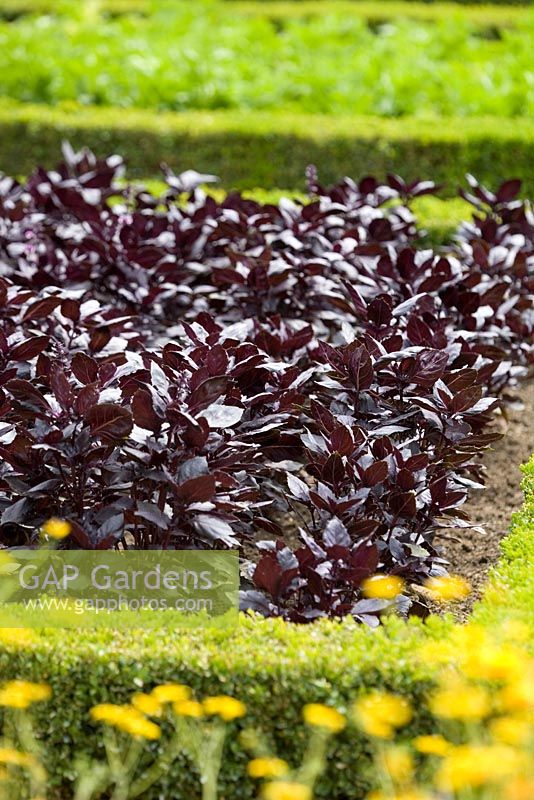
[{"x": 178, "y": 372}]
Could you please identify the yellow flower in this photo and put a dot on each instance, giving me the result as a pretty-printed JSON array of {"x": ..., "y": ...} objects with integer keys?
[
  {"x": 17, "y": 636},
  {"x": 127, "y": 719},
  {"x": 267, "y": 767},
  {"x": 432, "y": 745},
  {"x": 515, "y": 631},
  {"x": 511, "y": 730},
  {"x": 460, "y": 702},
  {"x": 171, "y": 693},
  {"x": 403, "y": 794},
  {"x": 471, "y": 766},
  {"x": 146, "y": 704},
  {"x": 227, "y": 708},
  {"x": 446, "y": 588},
  {"x": 188, "y": 708},
  {"x": 321, "y": 716},
  {"x": 493, "y": 663},
  {"x": 398, "y": 763},
  {"x": 385, "y": 587},
  {"x": 286, "y": 790},
  {"x": 518, "y": 695},
  {"x": 57, "y": 528},
  {"x": 379, "y": 713},
  {"x": 436, "y": 653},
  {"x": 519, "y": 789},
  {"x": 8, "y": 755},
  {"x": 142, "y": 728},
  {"x": 470, "y": 637},
  {"x": 107, "y": 712},
  {"x": 21, "y": 694}
]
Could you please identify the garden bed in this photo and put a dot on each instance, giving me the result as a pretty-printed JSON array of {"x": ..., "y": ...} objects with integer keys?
[
  {"x": 185, "y": 372},
  {"x": 190, "y": 373},
  {"x": 471, "y": 555}
]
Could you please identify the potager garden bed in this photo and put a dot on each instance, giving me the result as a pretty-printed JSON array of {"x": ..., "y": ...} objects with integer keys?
[{"x": 307, "y": 383}]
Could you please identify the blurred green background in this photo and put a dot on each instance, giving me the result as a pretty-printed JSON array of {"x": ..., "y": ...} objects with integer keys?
[{"x": 254, "y": 91}]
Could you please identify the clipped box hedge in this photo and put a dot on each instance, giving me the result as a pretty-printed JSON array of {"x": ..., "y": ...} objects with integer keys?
[
  {"x": 272, "y": 149},
  {"x": 274, "y": 667},
  {"x": 429, "y": 2},
  {"x": 500, "y": 15}
]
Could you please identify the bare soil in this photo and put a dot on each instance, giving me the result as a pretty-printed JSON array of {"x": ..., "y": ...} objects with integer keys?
[{"x": 471, "y": 554}]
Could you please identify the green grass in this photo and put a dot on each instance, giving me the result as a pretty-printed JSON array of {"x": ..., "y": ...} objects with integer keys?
[
  {"x": 198, "y": 56},
  {"x": 272, "y": 149}
]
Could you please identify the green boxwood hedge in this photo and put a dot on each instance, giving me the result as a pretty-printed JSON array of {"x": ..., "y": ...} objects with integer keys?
[
  {"x": 16, "y": 7},
  {"x": 272, "y": 149},
  {"x": 274, "y": 667},
  {"x": 502, "y": 14},
  {"x": 430, "y": 2}
]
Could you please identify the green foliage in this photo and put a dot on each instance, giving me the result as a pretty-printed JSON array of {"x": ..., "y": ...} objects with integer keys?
[
  {"x": 511, "y": 593},
  {"x": 273, "y": 149},
  {"x": 498, "y": 15},
  {"x": 499, "y": 12},
  {"x": 198, "y": 56},
  {"x": 503, "y": 14},
  {"x": 408, "y": 2},
  {"x": 273, "y": 667}
]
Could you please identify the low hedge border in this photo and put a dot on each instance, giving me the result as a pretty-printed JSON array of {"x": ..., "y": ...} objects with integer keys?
[
  {"x": 426, "y": 2},
  {"x": 274, "y": 667},
  {"x": 500, "y": 15},
  {"x": 272, "y": 149}
]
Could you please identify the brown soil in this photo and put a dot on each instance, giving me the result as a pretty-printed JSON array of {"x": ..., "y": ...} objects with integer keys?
[{"x": 471, "y": 554}]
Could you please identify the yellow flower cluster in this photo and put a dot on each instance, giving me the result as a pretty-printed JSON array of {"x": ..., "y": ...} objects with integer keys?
[
  {"x": 171, "y": 693},
  {"x": 56, "y": 528},
  {"x": 17, "y": 636},
  {"x": 384, "y": 587},
  {"x": 432, "y": 745},
  {"x": 267, "y": 767},
  {"x": 227, "y": 708},
  {"x": 133, "y": 718},
  {"x": 127, "y": 719},
  {"x": 447, "y": 588},
  {"x": 21, "y": 694},
  {"x": 460, "y": 701},
  {"x": 474, "y": 765},
  {"x": 147, "y": 704},
  {"x": 380, "y": 713},
  {"x": 189, "y": 708},
  {"x": 402, "y": 794},
  {"x": 486, "y": 697},
  {"x": 321, "y": 716},
  {"x": 398, "y": 763},
  {"x": 286, "y": 790},
  {"x": 8, "y": 755}
]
